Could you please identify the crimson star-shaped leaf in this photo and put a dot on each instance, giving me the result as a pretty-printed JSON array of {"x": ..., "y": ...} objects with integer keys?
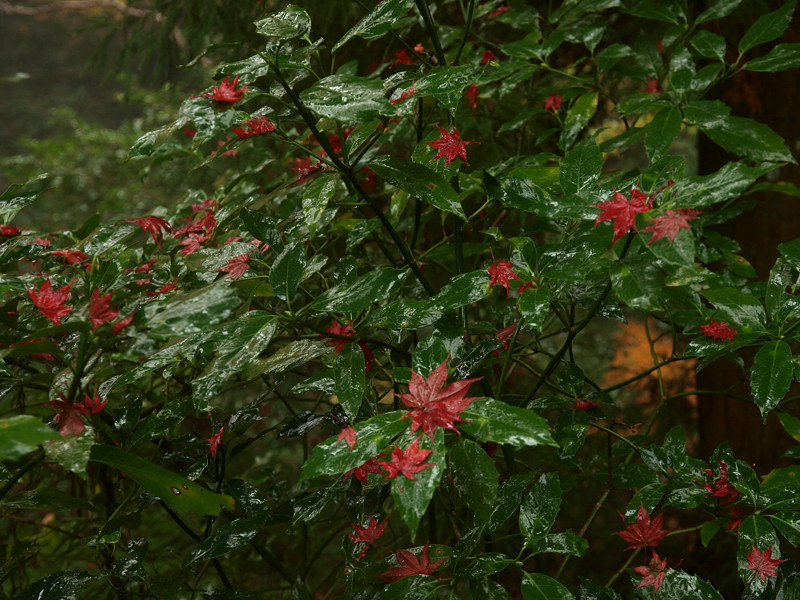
[
  {"x": 450, "y": 146},
  {"x": 645, "y": 531},
  {"x": 226, "y": 91},
  {"x": 434, "y": 404},
  {"x": 411, "y": 565},
  {"x": 236, "y": 266},
  {"x": 500, "y": 273},
  {"x": 406, "y": 462},
  {"x": 653, "y": 573},
  {"x": 348, "y": 434},
  {"x": 50, "y": 302},
  {"x": 762, "y": 563},
  {"x": 718, "y": 330},
  {"x": 370, "y": 533},
  {"x": 153, "y": 225},
  {"x": 622, "y": 211},
  {"x": 100, "y": 310},
  {"x": 667, "y": 226}
]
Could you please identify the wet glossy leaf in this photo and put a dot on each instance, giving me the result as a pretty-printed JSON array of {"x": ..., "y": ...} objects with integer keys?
[
  {"x": 287, "y": 271},
  {"x": 636, "y": 282},
  {"x": 447, "y": 84},
  {"x": 288, "y": 23},
  {"x": 176, "y": 491},
  {"x": 679, "y": 585},
  {"x": 194, "y": 312},
  {"x": 771, "y": 375},
  {"x": 333, "y": 457},
  {"x": 540, "y": 507},
  {"x": 377, "y": 22},
  {"x": 749, "y": 138},
  {"x": 351, "y": 298},
  {"x": 225, "y": 539},
  {"x": 729, "y": 182},
  {"x": 413, "y": 587},
  {"x": 534, "y": 305},
  {"x": 709, "y": 45},
  {"x": 581, "y": 167},
  {"x": 462, "y": 290},
  {"x": 490, "y": 590},
  {"x": 301, "y": 423},
  {"x": 349, "y": 378},
  {"x": 768, "y": 27},
  {"x": 109, "y": 236},
  {"x": 537, "y": 586},
  {"x": 316, "y": 196},
  {"x": 788, "y": 524},
  {"x": 412, "y": 497},
  {"x": 260, "y": 226},
  {"x": 720, "y": 8},
  {"x": 45, "y": 498},
  {"x": 493, "y": 421},
  {"x": 474, "y": 476},
  {"x": 661, "y": 132},
  {"x": 578, "y": 117},
  {"x": 420, "y": 181},
  {"x": 288, "y": 357},
  {"x": 22, "y": 434},
  {"x": 487, "y": 564},
  {"x": 781, "y": 57},
  {"x": 64, "y": 585},
  {"x": 736, "y": 308},
  {"x": 780, "y": 488},
  {"x": 755, "y": 531},
  {"x": 406, "y": 314},
  {"x": 566, "y": 542},
  {"x": 72, "y": 452},
  {"x": 347, "y": 98}
]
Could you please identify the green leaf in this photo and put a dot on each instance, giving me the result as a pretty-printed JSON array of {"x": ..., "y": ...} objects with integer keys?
[
  {"x": 781, "y": 488},
  {"x": 772, "y": 373},
  {"x": 679, "y": 585},
  {"x": 287, "y": 271},
  {"x": 788, "y": 524},
  {"x": 534, "y": 305},
  {"x": 462, "y": 290},
  {"x": 349, "y": 377},
  {"x": 377, "y": 22},
  {"x": 578, "y": 117},
  {"x": 260, "y": 226},
  {"x": 768, "y": 27},
  {"x": 488, "y": 589},
  {"x": 537, "y": 586},
  {"x": 288, "y": 23},
  {"x": 509, "y": 498},
  {"x": 780, "y": 58},
  {"x": 332, "y": 457},
  {"x": 292, "y": 355},
  {"x": 581, "y": 167},
  {"x": 316, "y": 196},
  {"x": 474, "y": 477},
  {"x": 487, "y": 564},
  {"x": 241, "y": 343},
  {"x": 636, "y": 280},
  {"x": 347, "y": 98},
  {"x": 176, "y": 491},
  {"x": 230, "y": 536},
  {"x": 72, "y": 452},
  {"x": 419, "y": 181},
  {"x": 22, "y": 434},
  {"x": 730, "y": 181},
  {"x": 539, "y": 509},
  {"x": 413, "y": 587},
  {"x": 493, "y": 421},
  {"x": 64, "y": 585},
  {"x": 411, "y": 497},
  {"x": 354, "y": 297},
  {"x": 661, "y": 132},
  {"x": 736, "y": 307},
  {"x": 565, "y": 542},
  {"x": 791, "y": 424},
  {"x": 709, "y": 45},
  {"x": 447, "y": 84},
  {"x": 406, "y": 314},
  {"x": 186, "y": 314},
  {"x": 749, "y": 138},
  {"x": 45, "y": 498},
  {"x": 721, "y": 8},
  {"x": 755, "y": 531},
  {"x": 107, "y": 237}
]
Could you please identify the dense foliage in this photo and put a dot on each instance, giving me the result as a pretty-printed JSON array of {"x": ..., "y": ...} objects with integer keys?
[{"x": 370, "y": 358}]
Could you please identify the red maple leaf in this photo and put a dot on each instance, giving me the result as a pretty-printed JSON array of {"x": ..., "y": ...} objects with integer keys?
[
  {"x": 487, "y": 56},
  {"x": 100, "y": 310},
  {"x": 553, "y": 102},
  {"x": 721, "y": 487},
  {"x": 167, "y": 287},
  {"x": 584, "y": 404},
  {"x": 652, "y": 573},
  {"x": 434, "y": 404},
  {"x": 652, "y": 87},
  {"x": 763, "y": 563},
  {"x": 623, "y": 212},
  {"x": 69, "y": 417},
  {"x": 154, "y": 225},
  {"x": 8, "y": 230},
  {"x": 226, "y": 91},
  {"x": 50, "y": 302},
  {"x": 348, "y": 434},
  {"x": 667, "y": 226},
  {"x": 236, "y": 266},
  {"x": 205, "y": 224},
  {"x": 305, "y": 169},
  {"x": 499, "y": 11},
  {"x": 450, "y": 146},
  {"x": 471, "y": 96},
  {"x": 411, "y": 565},
  {"x": 192, "y": 243},
  {"x": 93, "y": 405},
  {"x": 406, "y": 94},
  {"x": 373, "y": 465},
  {"x": 344, "y": 335},
  {"x": 368, "y": 534},
  {"x": 403, "y": 58},
  {"x": 644, "y": 532},
  {"x": 501, "y": 272},
  {"x": 214, "y": 441},
  {"x": 718, "y": 330},
  {"x": 122, "y": 324},
  {"x": 406, "y": 462},
  {"x": 256, "y": 126},
  {"x": 71, "y": 257}
]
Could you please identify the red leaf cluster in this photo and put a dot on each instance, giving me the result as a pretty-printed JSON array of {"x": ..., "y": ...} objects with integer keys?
[
  {"x": 50, "y": 302},
  {"x": 718, "y": 330},
  {"x": 226, "y": 91},
  {"x": 652, "y": 573},
  {"x": 411, "y": 565},
  {"x": 645, "y": 531},
  {"x": 622, "y": 211}
]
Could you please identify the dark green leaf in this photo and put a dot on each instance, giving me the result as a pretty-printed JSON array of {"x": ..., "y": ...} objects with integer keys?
[
  {"x": 578, "y": 117},
  {"x": 260, "y": 226},
  {"x": 347, "y": 98},
  {"x": 781, "y": 488},
  {"x": 534, "y": 305},
  {"x": 709, "y": 45},
  {"x": 539, "y": 509},
  {"x": 755, "y": 531},
  {"x": 788, "y": 524},
  {"x": 780, "y": 58},
  {"x": 176, "y": 491},
  {"x": 493, "y": 421},
  {"x": 581, "y": 167},
  {"x": 72, "y": 452},
  {"x": 772, "y": 373},
  {"x": 462, "y": 290},
  {"x": 509, "y": 499},
  {"x": 64, "y": 585},
  {"x": 720, "y": 8},
  {"x": 316, "y": 196},
  {"x": 538, "y": 586},
  {"x": 749, "y": 138},
  {"x": 406, "y": 314},
  {"x": 636, "y": 281},
  {"x": 228, "y": 537},
  {"x": 350, "y": 298},
  {"x": 729, "y": 182},
  {"x": 411, "y": 497},
  {"x": 487, "y": 564},
  {"x": 566, "y": 542},
  {"x": 45, "y": 498},
  {"x": 679, "y": 585},
  {"x": 488, "y": 589},
  {"x": 447, "y": 84},
  {"x": 661, "y": 132},
  {"x": 377, "y": 22},
  {"x": 791, "y": 425},
  {"x": 419, "y": 181},
  {"x": 349, "y": 377},
  {"x": 22, "y": 434},
  {"x": 292, "y": 355},
  {"x": 736, "y": 307},
  {"x": 332, "y": 457},
  {"x": 768, "y": 27},
  {"x": 474, "y": 476},
  {"x": 288, "y": 23},
  {"x": 413, "y": 587},
  {"x": 287, "y": 271},
  {"x": 194, "y": 312}
]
